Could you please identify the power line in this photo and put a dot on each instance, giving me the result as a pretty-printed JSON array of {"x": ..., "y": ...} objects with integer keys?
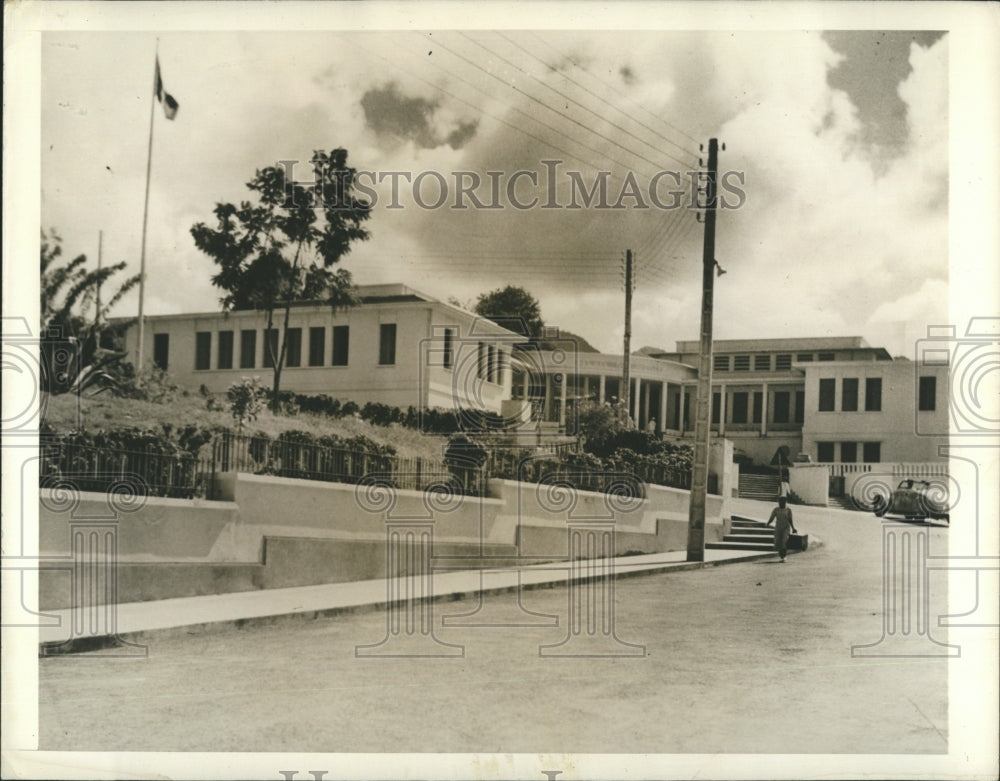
[
  {"x": 567, "y": 97},
  {"x": 544, "y": 105},
  {"x": 611, "y": 87},
  {"x": 586, "y": 89},
  {"x": 502, "y": 121}
]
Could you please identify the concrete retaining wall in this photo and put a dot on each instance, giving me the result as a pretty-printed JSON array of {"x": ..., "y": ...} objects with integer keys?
[
  {"x": 811, "y": 482},
  {"x": 276, "y": 532},
  {"x": 155, "y": 528}
]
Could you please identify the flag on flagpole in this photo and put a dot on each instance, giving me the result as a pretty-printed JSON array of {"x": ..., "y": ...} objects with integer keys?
[{"x": 170, "y": 105}]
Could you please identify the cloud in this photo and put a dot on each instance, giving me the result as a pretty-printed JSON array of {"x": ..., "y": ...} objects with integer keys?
[{"x": 412, "y": 118}]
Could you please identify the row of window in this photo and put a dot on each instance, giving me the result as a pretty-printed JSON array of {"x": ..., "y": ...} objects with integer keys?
[
  {"x": 850, "y": 386},
  {"x": 491, "y": 361},
  {"x": 748, "y": 407},
  {"x": 762, "y": 363},
  {"x": 226, "y": 352},
  {"x": 871, "y": 452}
]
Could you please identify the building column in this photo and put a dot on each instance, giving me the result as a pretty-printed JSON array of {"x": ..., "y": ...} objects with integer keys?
[
  {"x": 524, "y": 384},
  {"x": 635, "y": 397},
  {"x": 600, "y": 390},
  {"x": 645, "y": 406},
  {"x": 763, "y": 412},
  {"x": 562, "y": 400},
  {"x": 663, "y": 407},
  {"x": 722, "y": 410}
]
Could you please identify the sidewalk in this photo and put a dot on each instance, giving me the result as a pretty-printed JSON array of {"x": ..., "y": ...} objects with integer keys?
[{"x": 137, "y": 619}]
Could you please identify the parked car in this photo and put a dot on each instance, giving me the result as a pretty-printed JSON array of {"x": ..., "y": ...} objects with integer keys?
[{"x": 912, "y": 500}]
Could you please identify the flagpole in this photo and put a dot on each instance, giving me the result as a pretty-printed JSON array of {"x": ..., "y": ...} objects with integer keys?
[{"x": 145, "y": 217}]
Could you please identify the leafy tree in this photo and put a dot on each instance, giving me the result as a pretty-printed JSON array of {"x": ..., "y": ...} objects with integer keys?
[
  {"x": 514, "y": 308},
  {"x": 283, "y": 249},
  {"x": 76, "y": 345}
]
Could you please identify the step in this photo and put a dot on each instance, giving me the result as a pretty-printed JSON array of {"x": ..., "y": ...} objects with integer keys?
[
  {"x": 769, "y": 533},
  {"x": 735, "y": 518},
  {"x": 739, "y": 546},
  {"x": 752, "y": 529},
  {"x": 752, "y": 538}
]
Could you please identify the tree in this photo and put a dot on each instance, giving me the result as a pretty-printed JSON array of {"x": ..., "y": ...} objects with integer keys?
[
  {"x": 514, "y": 308},
  {"x": 75, "y": 345},
  {"x": 277, "y": 252}
]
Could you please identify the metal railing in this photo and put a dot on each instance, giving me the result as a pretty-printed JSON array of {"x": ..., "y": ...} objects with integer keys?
[
  {"x": 147, "y": 472},
  {"x": 310, "y": 461}
]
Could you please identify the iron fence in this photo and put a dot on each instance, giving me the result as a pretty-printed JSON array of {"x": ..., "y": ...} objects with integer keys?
[
  {"x": 94, "y": 468},
  {"x": 184, "y": 476},
  {"x": 311, "y": 461}
]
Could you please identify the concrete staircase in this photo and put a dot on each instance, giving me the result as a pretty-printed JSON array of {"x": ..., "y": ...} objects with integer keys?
[
  {"x": 752, "y": 534},
  {"x": 762, "y": 487},
  {"x": 747, "y": 534}
]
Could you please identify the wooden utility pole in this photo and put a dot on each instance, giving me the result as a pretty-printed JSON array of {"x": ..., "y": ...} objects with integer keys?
[
  {"x": 100, "y": 247},
  {"x": 702, "y": 427},
  {"x": 626, "y": 390}
]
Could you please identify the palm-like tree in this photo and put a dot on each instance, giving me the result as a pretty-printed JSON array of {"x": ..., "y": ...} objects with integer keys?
[{"x": 73, "y": 319}]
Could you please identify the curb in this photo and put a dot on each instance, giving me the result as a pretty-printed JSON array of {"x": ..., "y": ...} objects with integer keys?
[{"x": 105, "y": 642}]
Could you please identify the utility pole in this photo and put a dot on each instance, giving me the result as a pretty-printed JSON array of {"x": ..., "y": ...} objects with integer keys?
[
  {"x": 702, "y": 427},
  {"x": 100, "y": 247},
  {"x": 626, "y": 391}
]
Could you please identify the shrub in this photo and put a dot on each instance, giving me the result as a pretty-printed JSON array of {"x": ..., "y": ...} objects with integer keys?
[{"x": 246, "y": 400}]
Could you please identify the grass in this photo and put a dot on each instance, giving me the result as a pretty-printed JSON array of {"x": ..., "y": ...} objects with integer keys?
[{"x": 92, "y": 413}]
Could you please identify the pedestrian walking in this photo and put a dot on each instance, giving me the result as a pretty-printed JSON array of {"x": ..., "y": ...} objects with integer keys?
[{"x": 781, "y": 517}]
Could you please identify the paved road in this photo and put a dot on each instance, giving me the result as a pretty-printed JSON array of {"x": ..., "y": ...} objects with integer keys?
[{"x": 741, "y": 658}]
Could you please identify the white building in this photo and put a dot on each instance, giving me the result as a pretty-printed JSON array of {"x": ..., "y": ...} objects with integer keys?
[
  {"x": 398, "y": 347},
  {"x": 837, "y": 399}
]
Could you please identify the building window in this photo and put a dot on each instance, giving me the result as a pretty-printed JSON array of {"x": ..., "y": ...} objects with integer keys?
[
  {"x": 873, "y": 394},
  {"x": 762, "y": 363},
  {"x": 270, "y": 347},
  {"x": 161, "y": 347},
  {"x": 782, "y": 362},
  {"x": 827, "y": 356},
  {"x": 341, "y": 344},
  {"x": 849, "y": 394},
  {"x": 293, "y": 356},
  {"x": 716, "y": 407},
  {"x": 827, "y": 392},
  {"x": 871, "y": 452},
  {"x": 248, "y": 349},
  {"x": 225, "y": 358},
  {"x": 387, "y": 344},
  {"x": 720, "y": 363},
  {"x": 449, "y": 338},
  {"x": 849, "y": 452},
  {"x": 928, "y": 394},
  {"x": 501, "y": 365},
  {"x": 800, "y": 406},
  {"x": 203, "y": 350},
  {"x": 481, "y": 361},
  {"x": 758, "y": 406},
  {"x": 824, "y": 452},
  {"x": 317, "y": 345},
  {"x": 491, "y": 363},
  {"x": 741, "y": 363},
  {"x": 804, "y": 357},
  {"x": 781, "y": 399},
  {"x": 740, "y": 401}
]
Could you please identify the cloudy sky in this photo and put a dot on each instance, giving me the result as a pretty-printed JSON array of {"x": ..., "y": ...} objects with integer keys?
[{"x": 840, "y": 141}]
